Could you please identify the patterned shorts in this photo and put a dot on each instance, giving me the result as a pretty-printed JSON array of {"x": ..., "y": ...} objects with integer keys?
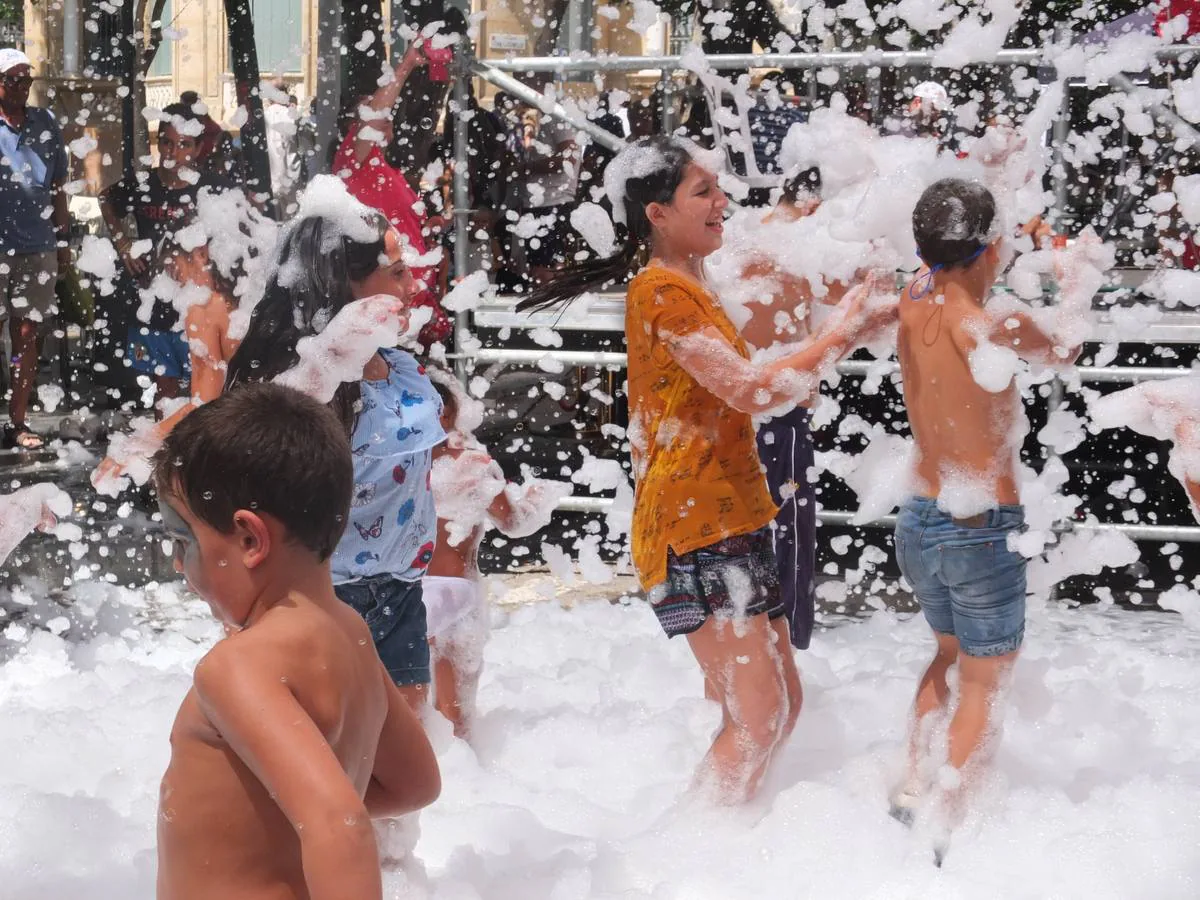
[{"x": 734, "y": 578}]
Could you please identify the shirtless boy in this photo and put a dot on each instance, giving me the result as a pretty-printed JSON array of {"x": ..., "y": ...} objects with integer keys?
[
  {"x": 293, "y": 735},
  {"x": 952, "y": 539}
]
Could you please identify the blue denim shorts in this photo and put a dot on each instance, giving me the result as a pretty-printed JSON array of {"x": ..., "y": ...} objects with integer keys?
[
  {"x": 162, "y": 353},
  {"x": 395, "y": 613},
  {"x": 968, "y": 582}
]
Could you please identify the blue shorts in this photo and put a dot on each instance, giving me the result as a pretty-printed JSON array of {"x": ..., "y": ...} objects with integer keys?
[
  {"x": 162, "y": 353},
  {"x": 395, "y": 613},
  {"x": 969, "y": 584}
]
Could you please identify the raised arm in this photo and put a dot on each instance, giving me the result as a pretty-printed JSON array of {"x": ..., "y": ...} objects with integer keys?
[
  {"x": 788, "y": 381},
  {"x": 1018, "y": 331},
  {"x": 245, "y": 698},
  {"x": 406, "y": 775},
  {"x": 381, "y": 102}
]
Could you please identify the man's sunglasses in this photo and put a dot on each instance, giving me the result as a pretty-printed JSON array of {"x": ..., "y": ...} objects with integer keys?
[{"x": 16, "y": 80}]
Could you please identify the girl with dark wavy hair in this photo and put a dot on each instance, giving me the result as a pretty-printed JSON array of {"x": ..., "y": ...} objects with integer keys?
[
  {"x": 325, "y": 261},
  {"x": 701, "y": 533}
]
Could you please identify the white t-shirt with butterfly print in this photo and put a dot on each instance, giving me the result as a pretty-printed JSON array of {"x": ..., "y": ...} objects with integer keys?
[{"x": 393, "y": 523}]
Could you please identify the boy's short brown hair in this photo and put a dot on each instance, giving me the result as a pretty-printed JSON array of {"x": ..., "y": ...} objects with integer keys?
[
  {"x": 265, "y": 448},
  {"x": 953, "y": 221}
]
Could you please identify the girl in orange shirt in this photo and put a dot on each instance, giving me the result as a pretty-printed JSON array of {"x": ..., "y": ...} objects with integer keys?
[{"x": 701, "y": 535}]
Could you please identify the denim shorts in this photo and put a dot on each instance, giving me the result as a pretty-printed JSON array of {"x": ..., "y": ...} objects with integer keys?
[
  {"x": 735, "y": 577},
  {"x": 162, "y": 353},
  {"x": 395, "y": 613},
  {"x": 969, "y": 584}
]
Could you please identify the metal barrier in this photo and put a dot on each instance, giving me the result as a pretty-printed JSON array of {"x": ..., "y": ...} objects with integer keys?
[{"x": 611, "y": 310}]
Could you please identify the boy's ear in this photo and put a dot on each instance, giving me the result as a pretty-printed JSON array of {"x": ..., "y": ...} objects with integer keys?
[{"x": 253, "y": 537}]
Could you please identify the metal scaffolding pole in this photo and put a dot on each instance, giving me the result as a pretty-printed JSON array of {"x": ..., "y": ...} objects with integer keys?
[
  {"x": 488, "y": 72},
  {"x": 329, "y": 81},
  {"x": 464, "y": 62}
]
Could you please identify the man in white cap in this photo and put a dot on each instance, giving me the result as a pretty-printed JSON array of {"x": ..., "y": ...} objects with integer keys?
[
  {"x": 34, "y": 229},
  {"x": 929, "y": 110}
]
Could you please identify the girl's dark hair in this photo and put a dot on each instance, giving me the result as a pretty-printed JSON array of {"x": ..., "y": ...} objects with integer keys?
[
  {"x": 657, "y": 186},
  {"x": 807, "y": 180},
  {"x": 310, "y": 283}
]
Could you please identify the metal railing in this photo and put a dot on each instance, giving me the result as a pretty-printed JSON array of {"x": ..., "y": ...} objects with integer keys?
[{"x": 611, "y": 310}]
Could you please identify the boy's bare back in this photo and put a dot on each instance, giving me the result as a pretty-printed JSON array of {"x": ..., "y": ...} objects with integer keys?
[
  {"x": 958, "y": 426},
  {"x": 305, "y": 668}
]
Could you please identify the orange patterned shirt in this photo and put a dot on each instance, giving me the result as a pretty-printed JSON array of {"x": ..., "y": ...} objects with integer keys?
[{"x": 695, "y": 461}]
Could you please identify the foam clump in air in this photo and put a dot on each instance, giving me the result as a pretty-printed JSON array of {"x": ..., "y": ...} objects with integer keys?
[
  {"x": 594, "y": 225},
  {"x": 1165, "y": 410},
  {"x": 326, "y": 196},
  {"x": 340, "y": 351},
  {"x": 36, "y": 506},
  {"x": 468, "y": 293}
]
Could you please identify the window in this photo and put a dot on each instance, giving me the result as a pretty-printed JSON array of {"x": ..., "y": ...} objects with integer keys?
[
  {"x": 277, "y": 34},
  {"x": 575, "y": 31},
  {"x": 164, "y": 59}
]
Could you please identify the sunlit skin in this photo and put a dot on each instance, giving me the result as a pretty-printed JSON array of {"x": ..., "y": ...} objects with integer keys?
[
  {"x": 958, "y": 426},
  {"x": 393, "y": 278},
  {"x": 292, "y": 735},
  {"x": 210, "y": 348}
]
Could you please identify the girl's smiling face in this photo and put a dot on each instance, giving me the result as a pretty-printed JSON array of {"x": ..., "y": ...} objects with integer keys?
[
  {"x": 692, "y": 224},
  {"x": 393, "y": 278}
]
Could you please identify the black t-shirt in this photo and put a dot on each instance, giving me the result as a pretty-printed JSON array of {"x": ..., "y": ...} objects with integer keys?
[{"x": 160, "y": 211}]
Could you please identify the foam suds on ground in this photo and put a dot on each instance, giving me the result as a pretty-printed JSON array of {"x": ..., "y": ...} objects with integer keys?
[{"x": 591, "y": 726}]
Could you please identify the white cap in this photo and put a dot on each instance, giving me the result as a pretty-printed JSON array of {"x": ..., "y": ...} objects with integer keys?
[
  {"x": 11, "y": 58},
  {"x": 933, "y": 93}
]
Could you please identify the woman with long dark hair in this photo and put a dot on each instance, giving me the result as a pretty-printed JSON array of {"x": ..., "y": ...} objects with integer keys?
[
  {"x": 702, "y": 513},
  {"x": 323, "y": 263}
]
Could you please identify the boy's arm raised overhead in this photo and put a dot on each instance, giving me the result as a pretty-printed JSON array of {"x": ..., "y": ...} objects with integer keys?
[
  {"x": 261, "y": 720},
  {"x": 406, "y": 775}
]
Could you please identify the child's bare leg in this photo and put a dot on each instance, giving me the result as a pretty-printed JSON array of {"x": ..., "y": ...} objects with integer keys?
[
  {"x": 980, "y": 680},
  {"x": 754, "y": 697},
  {"x": 417, "y": 696},
  {"x": 791, "y": 675},
  {"x": 933, "y": 693},
  {"x": 457, "y": 683}
]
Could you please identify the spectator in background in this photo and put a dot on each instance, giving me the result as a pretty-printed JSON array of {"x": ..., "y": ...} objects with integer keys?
[
  {"x": 281, "y": 115},
  {"x": 216, "y": 153},
  {"x": 361, "y": 164},
  {"x": 34, "y": 230},
  {"x": 160, "y": 202},
  {"x": 551, "y": 182},
  {"x": 508, "y": 111},
  {"x": 596, "y": 156}
]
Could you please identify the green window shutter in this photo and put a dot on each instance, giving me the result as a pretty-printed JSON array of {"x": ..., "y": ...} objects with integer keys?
[
  {"x": 164, "y": 59},
  {"x": 277, "y": 35}
]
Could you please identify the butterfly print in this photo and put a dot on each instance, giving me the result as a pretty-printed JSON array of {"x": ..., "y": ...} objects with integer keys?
[{"x": 375, "y": 531}]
